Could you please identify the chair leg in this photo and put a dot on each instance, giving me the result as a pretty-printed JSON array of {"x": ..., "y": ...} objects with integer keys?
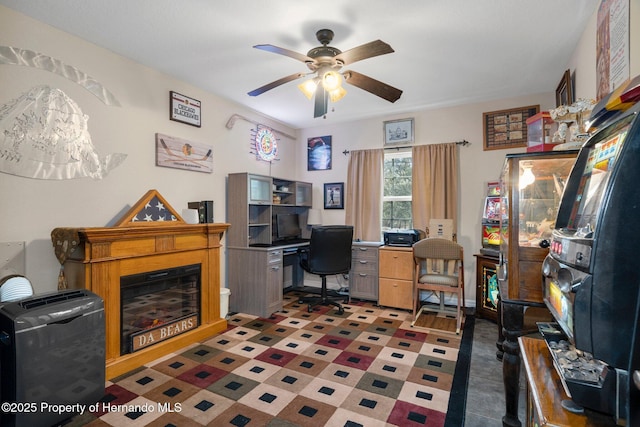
[{"x": 324, "y": 298}]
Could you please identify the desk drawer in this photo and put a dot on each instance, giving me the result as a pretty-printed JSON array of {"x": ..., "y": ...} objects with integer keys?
[
  {"x": 364, "y": 267},
  {"x": 396, "y": 264},
  {"x": 274, "y": 256},
  {"x": 364, "y": 253},
  {"x": 395, "y": 293}
]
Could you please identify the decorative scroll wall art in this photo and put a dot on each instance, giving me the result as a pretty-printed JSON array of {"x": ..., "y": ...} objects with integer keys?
[{"x": 507, "y": 128}]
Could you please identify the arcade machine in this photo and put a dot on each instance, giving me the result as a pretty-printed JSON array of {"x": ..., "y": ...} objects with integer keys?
[{"x": 592, "y": 274}]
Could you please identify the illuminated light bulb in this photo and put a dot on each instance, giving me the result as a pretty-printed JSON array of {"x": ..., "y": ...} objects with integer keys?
[
  {"x": 527, "y": 177},
  {"x": 337, "y": 94},
  {"x": 331, "y": 81},
  {"x": 308, "y": 87}
]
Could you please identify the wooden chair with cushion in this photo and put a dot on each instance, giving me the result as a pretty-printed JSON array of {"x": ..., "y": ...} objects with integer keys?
[{"x": 439, "y": 268}]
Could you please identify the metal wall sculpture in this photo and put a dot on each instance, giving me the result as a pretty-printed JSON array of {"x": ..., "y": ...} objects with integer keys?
[{"x": 43, "y": 133}]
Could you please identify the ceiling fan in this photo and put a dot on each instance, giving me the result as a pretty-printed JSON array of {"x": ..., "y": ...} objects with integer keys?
[{"x": 325, "y": 62}]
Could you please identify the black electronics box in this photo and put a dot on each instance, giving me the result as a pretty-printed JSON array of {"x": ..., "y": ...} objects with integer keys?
[
  {"x": 205, "y": 210},
  {"x": 403, "y": 237}
]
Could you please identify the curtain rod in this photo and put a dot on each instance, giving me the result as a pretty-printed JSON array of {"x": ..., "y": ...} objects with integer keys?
[
  {"x": 464, "y": 143},
  {"x": 234, "y": 117}
]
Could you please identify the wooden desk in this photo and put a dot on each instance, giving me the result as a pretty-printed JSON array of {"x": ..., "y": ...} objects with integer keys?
[
  {"x": 256, "y": 277},
  {"x": 545, "y": 392}
]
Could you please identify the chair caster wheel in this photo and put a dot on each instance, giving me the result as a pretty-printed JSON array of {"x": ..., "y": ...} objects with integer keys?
[{"x": 310, "y": 308}]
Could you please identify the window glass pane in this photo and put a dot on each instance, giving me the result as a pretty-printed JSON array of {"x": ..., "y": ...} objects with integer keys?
[
  {"x": 396, "y": 214},
  {"x": 397, "y": 176},
  {"x": 396, "y": 201}
]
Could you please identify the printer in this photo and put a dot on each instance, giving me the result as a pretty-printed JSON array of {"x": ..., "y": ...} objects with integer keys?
[{"x": 403, "y": 237}]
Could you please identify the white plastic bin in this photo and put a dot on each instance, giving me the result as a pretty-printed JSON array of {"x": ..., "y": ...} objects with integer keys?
[{"x": 224, "y": 302}]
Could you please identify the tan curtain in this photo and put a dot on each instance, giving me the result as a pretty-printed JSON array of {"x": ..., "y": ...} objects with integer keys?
[
  {"x": 364, "y": 193},
  {"x": 435, "y": 183}
]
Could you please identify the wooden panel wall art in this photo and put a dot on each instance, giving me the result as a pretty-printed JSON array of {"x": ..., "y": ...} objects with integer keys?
[{"x": 507, "y": 128}]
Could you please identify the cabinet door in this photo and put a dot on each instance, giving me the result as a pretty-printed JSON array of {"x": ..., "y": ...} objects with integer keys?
[
  {"x": 486, "y": 287},
  {"x": 274, "y": 281},
  {"x": 303, "y": 194},
  {"x": 259, "y": 189}
]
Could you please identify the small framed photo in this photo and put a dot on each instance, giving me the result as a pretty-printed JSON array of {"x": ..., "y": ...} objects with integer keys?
[
  {"x": 334, "y": 195},
  {"x": 319, "y": 153},
  {"x": 564, "y": 91},
  {"x": 398, "y": 132},
  {"x": 184, "y": 109}
]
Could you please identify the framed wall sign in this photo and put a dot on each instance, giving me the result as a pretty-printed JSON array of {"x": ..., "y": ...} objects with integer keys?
[
  {"x": 184, "y": 109},
  {"x": 178, "y": 153},
  {"x": 507, "y": 128},
  {"x": 398, "y": 132},
  {"x": 334, "y": 195}
]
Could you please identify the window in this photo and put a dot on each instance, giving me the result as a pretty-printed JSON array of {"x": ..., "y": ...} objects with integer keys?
[{"x": 396, "y": 197}]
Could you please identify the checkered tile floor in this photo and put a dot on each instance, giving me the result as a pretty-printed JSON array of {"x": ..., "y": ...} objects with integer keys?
[{"x": 367, "y": 367}]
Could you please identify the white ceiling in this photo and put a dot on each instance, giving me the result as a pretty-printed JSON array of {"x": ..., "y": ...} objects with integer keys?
[{"x": 447, "y": 52}]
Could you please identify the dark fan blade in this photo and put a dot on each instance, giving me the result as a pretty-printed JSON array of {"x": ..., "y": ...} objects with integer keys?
[
  {"x": 283, "y": 51},
  {"x": 277, "y": 83},
  {"x": 367, "y": 50},
  {"x": 321, "y": 102},
  {"x": 373, "y": 86}
]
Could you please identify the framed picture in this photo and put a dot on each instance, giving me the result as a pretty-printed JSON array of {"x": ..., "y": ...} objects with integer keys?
[
  {"x": 184, "y": 109},
  {"x": 398, "y": 132},
  {"x": 179, "y": 153},
  {"x": 334, "y": 195},
  {"x": 507, "y": 128},
  {"x": 319, "y": 153},
  {"x": 564, "y": 91}
]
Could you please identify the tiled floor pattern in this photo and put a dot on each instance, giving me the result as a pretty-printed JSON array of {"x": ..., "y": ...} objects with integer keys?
[{"x": 367, "y": 367}]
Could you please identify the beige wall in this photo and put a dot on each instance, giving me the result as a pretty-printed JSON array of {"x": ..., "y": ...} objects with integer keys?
[{"x": 30, "y": 208}]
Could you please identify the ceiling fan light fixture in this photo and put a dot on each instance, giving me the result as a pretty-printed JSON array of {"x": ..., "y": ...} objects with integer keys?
[
  {"x": 331, "y": 80},
  {"x": 337, "y": 94},
  {"x": 308, "y": 87}
]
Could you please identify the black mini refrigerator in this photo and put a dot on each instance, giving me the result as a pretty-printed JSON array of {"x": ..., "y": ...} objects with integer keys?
[{"x": 52, "y": 357}]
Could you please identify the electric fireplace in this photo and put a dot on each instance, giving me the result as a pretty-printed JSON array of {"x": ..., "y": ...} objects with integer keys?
[{"x": 158, "y": 305}]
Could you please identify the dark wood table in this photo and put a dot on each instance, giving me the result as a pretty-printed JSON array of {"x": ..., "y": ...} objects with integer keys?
[{"x": 545, "y": 392}]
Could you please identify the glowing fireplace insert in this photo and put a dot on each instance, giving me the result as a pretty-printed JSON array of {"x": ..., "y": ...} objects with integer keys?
[{"x": 158, "y": 305}]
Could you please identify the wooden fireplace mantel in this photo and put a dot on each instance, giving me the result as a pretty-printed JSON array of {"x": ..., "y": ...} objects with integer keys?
[{"x": 103, "y": 255}]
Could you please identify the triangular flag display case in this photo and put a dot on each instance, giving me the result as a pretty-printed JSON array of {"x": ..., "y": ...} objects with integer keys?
[
  {"x": 151, "y": 208},
  {"x": 150, "y": 237}
]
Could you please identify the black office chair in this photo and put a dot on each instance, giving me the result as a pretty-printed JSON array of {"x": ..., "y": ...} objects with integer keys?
[{"x": 329, "y": 253}]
